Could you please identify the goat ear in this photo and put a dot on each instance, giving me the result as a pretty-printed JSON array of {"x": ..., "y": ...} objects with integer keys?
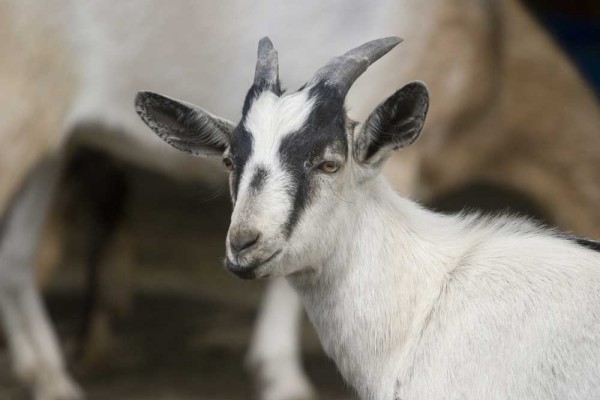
[
  {"x": 184, "y": 126},
  {"x": 395, "y": 123}
]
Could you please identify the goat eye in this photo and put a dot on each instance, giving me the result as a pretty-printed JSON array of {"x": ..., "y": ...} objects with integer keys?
[
  {"x": 329, "y": 167},
  {"x": 228, "y": 163}
]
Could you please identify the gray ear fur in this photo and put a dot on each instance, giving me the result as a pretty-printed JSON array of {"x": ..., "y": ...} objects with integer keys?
[
  {"x": 184, "y": 126},
  {"x": 395, "y": 123}
]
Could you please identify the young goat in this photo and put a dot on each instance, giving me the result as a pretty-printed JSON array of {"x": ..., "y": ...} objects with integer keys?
[{"x": 409, "y": 303}]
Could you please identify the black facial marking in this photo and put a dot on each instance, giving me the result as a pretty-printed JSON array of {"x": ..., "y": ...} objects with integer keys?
[
  {"x": 241, "y": 149},
  {"x": 325, "y": 127},
  {"x": 259, "y": 178},
  {"x": 325, "y": 93}
]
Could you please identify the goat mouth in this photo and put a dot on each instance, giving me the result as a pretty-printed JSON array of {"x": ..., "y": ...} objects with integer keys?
[{"x": 249, "y": 271}]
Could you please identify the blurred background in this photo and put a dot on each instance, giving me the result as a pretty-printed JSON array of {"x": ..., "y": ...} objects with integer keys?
[{"x": 129, "y": 259}]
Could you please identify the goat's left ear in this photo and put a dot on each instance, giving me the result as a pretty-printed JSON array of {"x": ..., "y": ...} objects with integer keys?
[
  {"x": 184, "y": 126},
  {"x": 395, "y": 123}
]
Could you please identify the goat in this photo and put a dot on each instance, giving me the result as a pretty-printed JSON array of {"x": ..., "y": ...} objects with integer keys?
[
  {"x": 489, "y": 49},
  {"x": 409, "y": 303},
  {"x": 503, "y": 117}
]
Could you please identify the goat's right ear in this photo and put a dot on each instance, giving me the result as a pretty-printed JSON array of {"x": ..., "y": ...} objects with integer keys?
[{"x": 184, "y": 126}]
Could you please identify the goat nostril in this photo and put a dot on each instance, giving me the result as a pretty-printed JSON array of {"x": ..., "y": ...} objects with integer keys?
[{"x": 243, "y": 241}]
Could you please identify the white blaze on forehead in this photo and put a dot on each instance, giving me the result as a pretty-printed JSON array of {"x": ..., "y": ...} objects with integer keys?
[{"x": 271, "y": 118}]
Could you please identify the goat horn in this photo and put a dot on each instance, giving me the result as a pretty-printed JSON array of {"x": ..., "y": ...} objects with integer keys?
[
  {"x": 267, "y": 67},
  {"x": 342, "y": 71}
]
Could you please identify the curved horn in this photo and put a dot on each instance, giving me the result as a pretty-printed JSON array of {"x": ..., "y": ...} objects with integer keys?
[
  {"x": 342, "y": 71},
  {"x": 267, "y": 68}
]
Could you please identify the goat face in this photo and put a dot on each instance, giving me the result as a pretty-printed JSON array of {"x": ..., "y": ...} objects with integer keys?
[{"x": 293, "y": 157}]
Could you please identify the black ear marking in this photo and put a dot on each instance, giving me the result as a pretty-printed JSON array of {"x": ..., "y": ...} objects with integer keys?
[
  {"x": 184, "y": 126},
  {"x": 395, "y": 123}
]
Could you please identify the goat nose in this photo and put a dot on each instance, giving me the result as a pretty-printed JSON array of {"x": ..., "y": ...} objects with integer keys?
[{"x": 243, "y": 240}]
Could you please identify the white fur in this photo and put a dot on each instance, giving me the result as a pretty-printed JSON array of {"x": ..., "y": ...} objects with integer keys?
[
  {"x": 415, "y": 305},
  {"x": 271, "y": 118},
  {"x": 411, "y": 304}
]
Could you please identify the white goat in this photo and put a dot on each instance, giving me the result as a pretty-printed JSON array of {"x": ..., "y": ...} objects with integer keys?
[
  {"x": 489, "y": 49},
  {"x": 410, "y": 304}
]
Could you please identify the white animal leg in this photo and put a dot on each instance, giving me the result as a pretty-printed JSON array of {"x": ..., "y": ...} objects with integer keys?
[
  {"x": 21, "y": 351},
  {"x": 37, "y": 357},
  {"x": 274, "y": 354}
]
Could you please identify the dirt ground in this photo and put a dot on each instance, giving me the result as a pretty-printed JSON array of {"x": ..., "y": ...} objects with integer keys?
[{"x": 188, "y": 329}]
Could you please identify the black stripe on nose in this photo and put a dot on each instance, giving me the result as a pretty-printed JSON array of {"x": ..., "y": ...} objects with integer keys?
[{"x": 259, "y": 178}]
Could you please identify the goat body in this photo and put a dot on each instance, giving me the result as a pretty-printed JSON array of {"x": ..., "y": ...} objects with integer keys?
[
  {"x": 409, "y": 304},
  {"x": 416, "y": 305}
]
